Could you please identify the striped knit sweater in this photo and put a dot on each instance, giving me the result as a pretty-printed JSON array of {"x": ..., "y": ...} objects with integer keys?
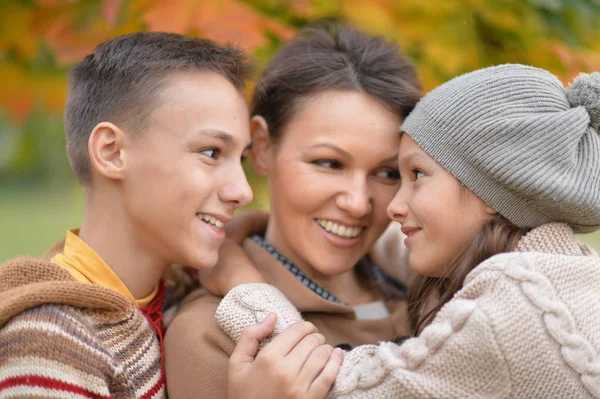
[{"x": 60, "y": 338}]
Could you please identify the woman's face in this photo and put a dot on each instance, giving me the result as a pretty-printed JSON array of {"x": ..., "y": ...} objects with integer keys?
[
  {"x": 332, "y": 173},
  {"x": 438, "y": 215}
]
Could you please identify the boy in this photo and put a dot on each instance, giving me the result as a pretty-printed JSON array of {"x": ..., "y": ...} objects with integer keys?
[{"x": 156, "y": 126}]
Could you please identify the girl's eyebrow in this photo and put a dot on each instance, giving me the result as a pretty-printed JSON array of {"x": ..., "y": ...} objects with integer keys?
[{"x": 414, "y": 156}]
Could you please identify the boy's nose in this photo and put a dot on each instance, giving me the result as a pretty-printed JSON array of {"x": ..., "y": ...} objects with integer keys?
[{"x": 238, "y": 191}]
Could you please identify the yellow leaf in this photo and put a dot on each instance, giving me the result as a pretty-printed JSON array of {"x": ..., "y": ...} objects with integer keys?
[
  {"x": 20, "y": 90},
  {"x": 15, "y": 29}
]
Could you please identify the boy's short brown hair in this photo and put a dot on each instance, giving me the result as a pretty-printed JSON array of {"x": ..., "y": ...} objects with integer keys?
[{"x": 118, "y": 82}]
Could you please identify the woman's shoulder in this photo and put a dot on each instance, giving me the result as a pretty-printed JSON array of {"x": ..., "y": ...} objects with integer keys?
[{"x": 195, "y": 319}]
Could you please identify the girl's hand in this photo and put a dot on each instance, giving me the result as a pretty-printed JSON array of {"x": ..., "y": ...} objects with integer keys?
[{"x": 296, "y": 364}]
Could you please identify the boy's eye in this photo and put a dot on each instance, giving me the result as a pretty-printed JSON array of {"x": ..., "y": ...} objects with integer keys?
[
  {"x": 328, "y": 163},
  {"x": 418, "y": 174},
  {"x": 390, "y": 174},
  {"x": 210, "y": 152}
]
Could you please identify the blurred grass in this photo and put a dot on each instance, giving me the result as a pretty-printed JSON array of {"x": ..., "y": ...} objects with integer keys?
[{"x": 32, "y": 218}]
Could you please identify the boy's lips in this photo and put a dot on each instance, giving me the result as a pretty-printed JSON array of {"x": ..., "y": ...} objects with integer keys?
[{"x": 215, "y": 220}]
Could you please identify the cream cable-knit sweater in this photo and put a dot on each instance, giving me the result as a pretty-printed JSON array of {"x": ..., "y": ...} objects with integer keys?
[{"x": 525, "y": 325}]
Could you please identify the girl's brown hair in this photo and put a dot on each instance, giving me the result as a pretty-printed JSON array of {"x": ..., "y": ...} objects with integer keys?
[
  {"x": 427, "y": 295},
  {"x": 334, "y": 57}
]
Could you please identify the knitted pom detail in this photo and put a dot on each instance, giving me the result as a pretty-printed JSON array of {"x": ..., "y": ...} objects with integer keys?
[{"x": 585, "y": 92}]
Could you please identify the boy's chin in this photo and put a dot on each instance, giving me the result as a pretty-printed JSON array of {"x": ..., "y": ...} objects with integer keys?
[{"x": 204, "y": 262}]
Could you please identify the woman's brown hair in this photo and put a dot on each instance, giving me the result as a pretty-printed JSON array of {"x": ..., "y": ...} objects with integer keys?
[
  {"x": 427, "y": 294},
  {"x": 334, "y": 57}
]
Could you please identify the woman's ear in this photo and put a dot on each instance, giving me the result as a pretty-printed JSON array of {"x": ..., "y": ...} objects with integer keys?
[
  {"x": 105, "y": 148},
  {"x": 261, "y": 153}
]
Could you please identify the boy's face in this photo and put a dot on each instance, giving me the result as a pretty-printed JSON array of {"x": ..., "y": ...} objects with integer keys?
[{"x": 184, "y": 176}]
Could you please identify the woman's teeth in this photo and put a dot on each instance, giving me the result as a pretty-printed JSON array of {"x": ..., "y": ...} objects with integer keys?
[
  {"x": 340, "y": 230},
  {"x": 211, "y": 220}
]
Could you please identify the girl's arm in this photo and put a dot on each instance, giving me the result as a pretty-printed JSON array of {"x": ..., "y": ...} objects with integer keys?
[{"x": 455, "y": 356}]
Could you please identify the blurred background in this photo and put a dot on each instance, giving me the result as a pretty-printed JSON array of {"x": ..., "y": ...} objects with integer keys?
[{"x": 39, "y": 40}]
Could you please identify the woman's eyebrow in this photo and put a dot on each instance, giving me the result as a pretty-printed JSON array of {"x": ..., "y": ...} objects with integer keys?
[{"x": 334, "y": 148}]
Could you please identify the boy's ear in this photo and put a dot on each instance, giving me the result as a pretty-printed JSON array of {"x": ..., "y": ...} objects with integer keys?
[
  {"x": 105, "y": 147},
  {"x": 261, "y": 153}
]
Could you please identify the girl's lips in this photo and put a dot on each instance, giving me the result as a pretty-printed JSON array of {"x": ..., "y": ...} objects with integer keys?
[{"x": 410, "y": 231}]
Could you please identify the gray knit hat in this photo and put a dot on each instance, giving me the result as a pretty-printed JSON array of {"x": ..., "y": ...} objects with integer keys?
[{"x": 520, "y": 141}]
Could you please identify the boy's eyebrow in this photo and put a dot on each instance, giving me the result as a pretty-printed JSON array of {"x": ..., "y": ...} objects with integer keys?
[{"x": 218, "y": 134}]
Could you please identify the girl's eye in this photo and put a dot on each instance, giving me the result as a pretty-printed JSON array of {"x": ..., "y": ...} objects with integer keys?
[
  {"x": 210, "y": 152},
  {"x": 418, "y": 174},
  {"x": 390, "y": 174},
  {"x": 328, "y": 163}
]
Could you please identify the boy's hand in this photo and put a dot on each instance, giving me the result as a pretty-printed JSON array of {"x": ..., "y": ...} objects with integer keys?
[
  {"x": 296, "y": 363},
  {"x": 232, "y": 269}
]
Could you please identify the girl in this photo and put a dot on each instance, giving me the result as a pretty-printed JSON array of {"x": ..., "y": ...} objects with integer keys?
[
  {"x": 499, "y": 168},
  {"x": 325, "y": 134}
]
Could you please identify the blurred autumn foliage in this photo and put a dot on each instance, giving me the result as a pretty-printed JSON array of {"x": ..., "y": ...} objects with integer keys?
[{"x": 40, "y": 39}]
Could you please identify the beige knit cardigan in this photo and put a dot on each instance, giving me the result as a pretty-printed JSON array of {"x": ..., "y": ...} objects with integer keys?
[{"x": 525, "y": 325}]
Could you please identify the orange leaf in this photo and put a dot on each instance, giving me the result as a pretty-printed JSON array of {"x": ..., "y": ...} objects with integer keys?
[
  {"x": 111, "y": 10},
  {"x": 20, "y": 90},
  {"x": 170, "y": 15},
  {"x": 224, "y": 21}
]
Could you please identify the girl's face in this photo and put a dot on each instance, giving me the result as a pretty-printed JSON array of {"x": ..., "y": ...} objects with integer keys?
[
  {"x": 438, "y": 215},
  {"x": 332, "y": 174}
]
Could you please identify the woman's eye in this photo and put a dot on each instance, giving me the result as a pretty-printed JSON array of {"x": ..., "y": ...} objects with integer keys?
[
  {"x": 328, "y": 163},
  {"x": 418, "y": 174},
  {"x": 391, "y": 174},
  {"x": 210, "y": 152}
]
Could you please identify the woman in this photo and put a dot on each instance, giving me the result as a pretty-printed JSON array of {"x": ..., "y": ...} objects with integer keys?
[
  {"x": 499, "y": 167},
  {"x": 325, "y": 134}
]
